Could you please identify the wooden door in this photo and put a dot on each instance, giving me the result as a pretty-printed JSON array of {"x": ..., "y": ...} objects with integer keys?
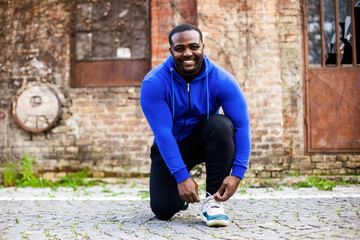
[{"x": 332, "y": 75}]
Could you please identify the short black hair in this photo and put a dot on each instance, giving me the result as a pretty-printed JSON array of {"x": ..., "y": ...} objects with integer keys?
[{"x": 183, "y": 28}]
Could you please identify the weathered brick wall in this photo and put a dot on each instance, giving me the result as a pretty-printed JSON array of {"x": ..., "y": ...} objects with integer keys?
[
  {"x": 261, "y": 45},
  {"x": 100, "y": 128},
  {"x": 296, "y": 161},
  {"x": 243, "y": 37},
  {"x": 35, "y": 47},
  {"x": 103, "y": 128},
  {"x": 165, "y": 15},
  {"x": 291, "y": 79}
]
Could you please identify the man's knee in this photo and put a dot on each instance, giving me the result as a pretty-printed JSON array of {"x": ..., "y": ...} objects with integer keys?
[
  {"x": 163, "y": 211},
  {"x": 219, "y": 126}
]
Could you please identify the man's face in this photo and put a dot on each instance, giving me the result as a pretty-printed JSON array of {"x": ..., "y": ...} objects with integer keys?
[{"x": 187, "y": 51}]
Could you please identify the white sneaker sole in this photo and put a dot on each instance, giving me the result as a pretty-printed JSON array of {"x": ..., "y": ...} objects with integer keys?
[{"x": 216, "y": 222}]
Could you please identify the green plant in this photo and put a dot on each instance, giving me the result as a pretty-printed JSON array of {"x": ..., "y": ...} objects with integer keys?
[
  {"x": 24, "y": 177},
  {"x": 75, "y": 180},
  {"x": 26, "y": 174},
  {"x": 318, "y": 182},
  {"x": 302, "y": 184},
  {"x": 322, "y": 184},
  {"x": 279, "y": 188},
  {"x": 144, "y": 194},
  {"x": 242, "y": 191},
  {"x": 10, "y": 174}
]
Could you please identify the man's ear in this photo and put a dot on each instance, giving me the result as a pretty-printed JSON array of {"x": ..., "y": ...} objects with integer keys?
[{"x": 170, "y": 47}]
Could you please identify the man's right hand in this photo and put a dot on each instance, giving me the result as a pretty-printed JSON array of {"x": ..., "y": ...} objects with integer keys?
[{"x": 188, "y": 190}]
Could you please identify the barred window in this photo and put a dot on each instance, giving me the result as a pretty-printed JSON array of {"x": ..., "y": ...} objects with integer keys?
[
  {"x": 111, "y": 42},
  {"x": 332, "y": 35},
  {"x": 332, "y": 73}
]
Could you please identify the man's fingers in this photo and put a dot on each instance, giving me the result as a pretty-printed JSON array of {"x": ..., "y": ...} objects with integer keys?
[
  {"x": 223, "y": 197},
  {"x": 226, "y": 196},
  {"x": 221, "y": 189},
  {"x": 197, "y": 199},
  {"x": 192, "y": 198},
  {"x": 188, "y": 190}
]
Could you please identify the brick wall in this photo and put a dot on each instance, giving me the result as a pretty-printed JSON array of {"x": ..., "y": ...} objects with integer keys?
[
  {"x": 165, "y": 15},
  {"x": 103, "y": 128},
  {"x": 261, "y": 45},
  {"x": 251, "y": 30}
]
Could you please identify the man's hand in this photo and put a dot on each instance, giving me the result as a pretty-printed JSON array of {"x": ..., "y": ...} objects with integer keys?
[
  {"x": 188, "y": 190},
  {"x": 227, "y": 188}
]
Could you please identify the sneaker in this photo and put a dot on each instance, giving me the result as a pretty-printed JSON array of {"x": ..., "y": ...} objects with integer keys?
[
  {"x": 213, "y": 213},
  {"x": 186, "y": 206}
]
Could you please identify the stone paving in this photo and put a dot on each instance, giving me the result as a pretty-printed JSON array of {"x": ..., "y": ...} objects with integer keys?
[{"x": 122, "y": 212}]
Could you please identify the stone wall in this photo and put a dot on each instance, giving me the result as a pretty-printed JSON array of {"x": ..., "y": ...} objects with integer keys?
[{"x": 103, "y": 128}]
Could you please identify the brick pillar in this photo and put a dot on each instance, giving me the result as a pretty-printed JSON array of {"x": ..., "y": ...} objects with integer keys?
[{"x": 165, "y": 15}]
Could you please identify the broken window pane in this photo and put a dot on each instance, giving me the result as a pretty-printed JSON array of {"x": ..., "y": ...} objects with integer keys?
[
  {"x": 112, "y": 29},
  {"x": 345, "y": 32},
  {"x": 329, "y": 31},
  {"x": 314, "y": 34}
]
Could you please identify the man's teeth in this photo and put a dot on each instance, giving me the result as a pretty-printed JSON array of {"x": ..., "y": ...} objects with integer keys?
[{"x": 188, "y": 61}]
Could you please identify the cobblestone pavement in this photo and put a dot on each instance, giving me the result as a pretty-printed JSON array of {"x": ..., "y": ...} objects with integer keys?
[{"x": 122, "y": 212}]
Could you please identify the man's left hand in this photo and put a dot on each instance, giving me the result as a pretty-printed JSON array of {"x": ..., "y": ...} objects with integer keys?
[{"x": 227, "y": 188}]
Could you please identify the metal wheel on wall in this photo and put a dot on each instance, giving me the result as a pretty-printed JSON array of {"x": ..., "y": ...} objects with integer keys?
[{"x": 36, "y": 108}]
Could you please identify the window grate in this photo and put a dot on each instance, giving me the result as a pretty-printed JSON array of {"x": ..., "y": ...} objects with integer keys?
[
  {"x": 111, "y": 43},
  {"x": 332, "y": 29}
]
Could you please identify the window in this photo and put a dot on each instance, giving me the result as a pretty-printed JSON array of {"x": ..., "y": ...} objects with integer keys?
[
  {"x": 333, "y": 44},
  {"x": 111, "y": 42},
  {"x": 332, "y": 75}
]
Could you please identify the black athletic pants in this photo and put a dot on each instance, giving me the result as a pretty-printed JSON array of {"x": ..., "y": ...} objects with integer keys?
[{"x": 211, "y": 142}]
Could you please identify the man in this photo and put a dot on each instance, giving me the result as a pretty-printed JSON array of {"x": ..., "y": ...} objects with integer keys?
[{"x": 181, "y": 99}]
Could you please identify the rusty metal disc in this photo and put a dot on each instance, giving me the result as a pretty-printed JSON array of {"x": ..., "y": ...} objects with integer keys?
[{"x": 36, "y": 108}]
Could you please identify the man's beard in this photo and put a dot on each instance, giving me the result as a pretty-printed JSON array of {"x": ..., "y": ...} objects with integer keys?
[{"x": 197, "y": 65}]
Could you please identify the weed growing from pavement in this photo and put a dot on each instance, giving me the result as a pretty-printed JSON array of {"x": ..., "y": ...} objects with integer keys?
[
  {"x": 144, "y": 194},
  {"x": 303, "y": 184},
  {"x": 106, "y": 189},
  {"x": 279, "y": 188},
  {"x": 23, "y": 176},
  {"x": 320, "y": 183},
  {"x": 24, "y": 234},
  {"x": 242, "y": 191},
  {"x": 242, "y": 187},
  {"x": 9, "y": 174}
]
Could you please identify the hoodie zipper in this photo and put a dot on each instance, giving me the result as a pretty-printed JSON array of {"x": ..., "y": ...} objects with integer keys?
[{"x": 182, "y": 128}]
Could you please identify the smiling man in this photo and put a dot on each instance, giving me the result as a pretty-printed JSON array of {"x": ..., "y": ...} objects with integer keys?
[{"x": 181, "y": 99}]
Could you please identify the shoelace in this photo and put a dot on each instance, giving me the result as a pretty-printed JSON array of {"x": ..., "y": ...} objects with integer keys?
[{"x": 213, "y": 207}]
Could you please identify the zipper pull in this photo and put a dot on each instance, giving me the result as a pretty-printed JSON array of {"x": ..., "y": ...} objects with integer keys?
[{"x": 188, "y": 85}]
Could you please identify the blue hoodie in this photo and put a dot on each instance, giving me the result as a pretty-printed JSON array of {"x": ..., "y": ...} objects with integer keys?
[{"x": 166, "y": 99}]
